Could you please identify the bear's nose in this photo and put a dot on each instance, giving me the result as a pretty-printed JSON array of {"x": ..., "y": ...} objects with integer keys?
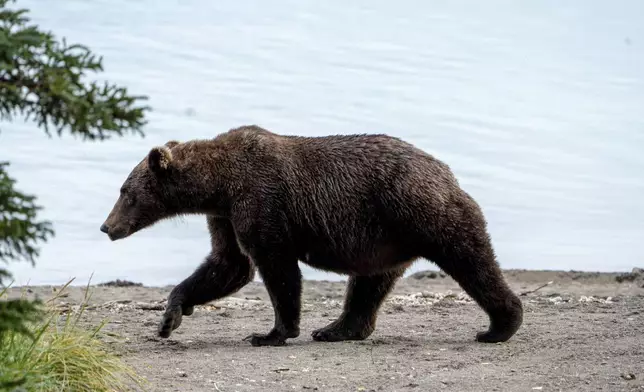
[{"x": 104, "y": 228}]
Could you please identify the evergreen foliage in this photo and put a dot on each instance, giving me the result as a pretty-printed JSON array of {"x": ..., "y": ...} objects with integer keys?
[{"x": 43, "y": 80}]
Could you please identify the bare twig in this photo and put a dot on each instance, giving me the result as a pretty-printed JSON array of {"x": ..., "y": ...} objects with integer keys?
[{"x": 535, "y": 290}]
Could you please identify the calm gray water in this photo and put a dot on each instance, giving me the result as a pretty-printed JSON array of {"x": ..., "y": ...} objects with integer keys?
[{"x": 537, "y": 107}]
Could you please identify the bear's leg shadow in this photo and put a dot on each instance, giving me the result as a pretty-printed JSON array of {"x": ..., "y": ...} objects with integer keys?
[
  {"x": 282, "y": 277},
  {"x": 470, "y": 260},
  {"x": 365, "y": 294},
  {"x": 224, "y": 272}
]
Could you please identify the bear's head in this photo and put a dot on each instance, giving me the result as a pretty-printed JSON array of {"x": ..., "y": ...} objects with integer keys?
[{"x": 146, "y": 195}]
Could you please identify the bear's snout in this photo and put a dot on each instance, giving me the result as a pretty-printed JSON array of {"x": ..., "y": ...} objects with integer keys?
[{"x": 116, "y": 231}]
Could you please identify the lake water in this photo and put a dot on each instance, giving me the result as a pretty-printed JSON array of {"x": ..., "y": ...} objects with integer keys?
[{"x": 537, "y": 106}]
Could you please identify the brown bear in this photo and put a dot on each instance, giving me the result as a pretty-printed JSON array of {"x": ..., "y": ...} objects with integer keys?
[{"x": 366, "y": 206}]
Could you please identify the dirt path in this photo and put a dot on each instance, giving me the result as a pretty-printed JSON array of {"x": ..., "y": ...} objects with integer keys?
[{"x": 583, "y": 332}]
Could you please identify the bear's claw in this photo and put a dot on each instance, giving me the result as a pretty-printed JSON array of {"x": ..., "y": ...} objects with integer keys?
[
  {"x": 171, "y": 320},
  {"x": 341, "y": 330},
  {"x": 277, "y": 337},
  {"x": 492, "y": 337},
  {"x": 258, "y": 339},
  {"x": 334, "y": 335}
]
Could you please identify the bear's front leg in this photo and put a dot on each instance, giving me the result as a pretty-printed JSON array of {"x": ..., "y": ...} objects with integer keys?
[
  {"x": 218, "y": 276},
  {"x": 225, "y": 271},
  {"x": 283, "y": 280}
]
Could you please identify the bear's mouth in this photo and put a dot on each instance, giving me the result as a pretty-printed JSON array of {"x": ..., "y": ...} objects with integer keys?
[{"x": 117, "y": 233}]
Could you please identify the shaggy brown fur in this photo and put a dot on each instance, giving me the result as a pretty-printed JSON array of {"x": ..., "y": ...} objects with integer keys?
[{"x": 363, "y": 205}]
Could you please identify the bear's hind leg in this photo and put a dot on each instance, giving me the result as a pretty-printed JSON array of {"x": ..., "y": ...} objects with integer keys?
[
  {"x": 365, "y": 294},
  {"x": 224, "y": 272},
  {"x": 468, "y": 257}
]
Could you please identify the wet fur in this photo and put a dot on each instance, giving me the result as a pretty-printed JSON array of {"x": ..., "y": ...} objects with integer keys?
[{"x": 363, "y": 205}]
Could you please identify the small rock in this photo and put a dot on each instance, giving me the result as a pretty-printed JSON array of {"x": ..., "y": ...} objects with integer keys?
[
  {"x": 555, "y": 300},
  {"x": 635, "y": 274},
  {"x": 183, "y": 374},
  {"x": 120, "y": 283},
  {"x": 149, "y": 306},
  {"x": 588, "y": 299},
  {"x": 398, "y": 308},
  {"x": 628, "y": 376},
  {"x": 424, "y": 275}
]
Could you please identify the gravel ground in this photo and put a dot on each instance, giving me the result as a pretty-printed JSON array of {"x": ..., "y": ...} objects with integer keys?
[{"x": 581, "y": 332}]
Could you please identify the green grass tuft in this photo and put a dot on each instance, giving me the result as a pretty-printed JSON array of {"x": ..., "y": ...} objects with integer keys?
[{"x": 62, "y": 355}]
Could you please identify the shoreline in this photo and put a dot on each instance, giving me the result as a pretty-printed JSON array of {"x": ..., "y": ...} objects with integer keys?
[{"x": 519, "y": 274}]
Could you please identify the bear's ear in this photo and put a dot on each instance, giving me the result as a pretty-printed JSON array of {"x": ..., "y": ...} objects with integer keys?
[
  {"x": 172, "y": 143},
  {"x": 159, "y": 159}
]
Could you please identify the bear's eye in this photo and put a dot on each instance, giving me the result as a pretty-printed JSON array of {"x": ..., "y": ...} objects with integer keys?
[{"x": 130, "y": 200}]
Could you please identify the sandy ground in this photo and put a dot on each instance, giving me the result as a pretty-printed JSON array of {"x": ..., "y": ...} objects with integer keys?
[{"x": 583, "y": 332}]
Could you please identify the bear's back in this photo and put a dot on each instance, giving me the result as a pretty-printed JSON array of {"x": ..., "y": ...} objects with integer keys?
[
  {"x": 371, "y": 155},
  {"x": 338, "y": 166}
]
